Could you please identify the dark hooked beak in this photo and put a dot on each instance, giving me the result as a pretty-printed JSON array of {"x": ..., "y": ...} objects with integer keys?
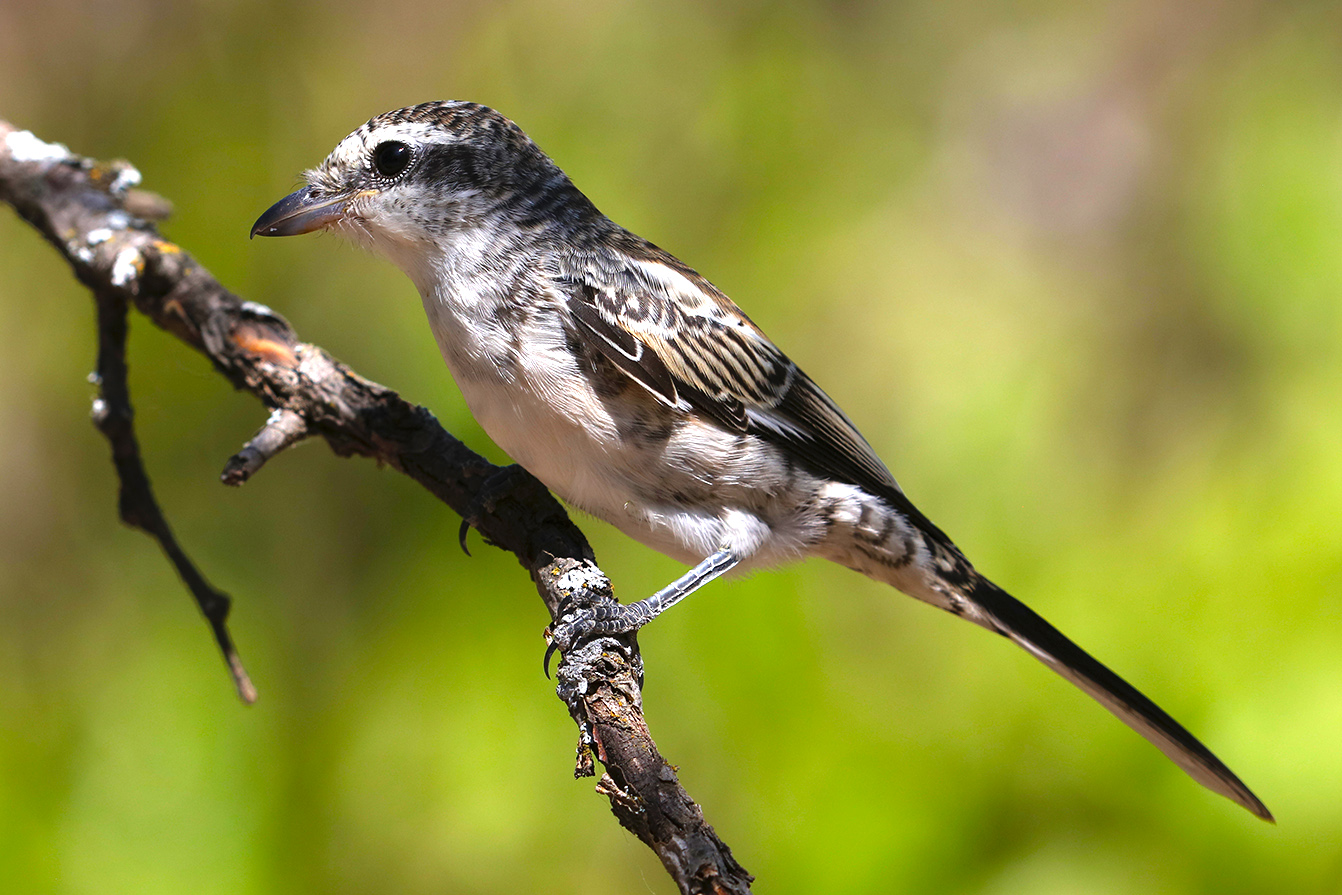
[{"x": 300, "y": 212}]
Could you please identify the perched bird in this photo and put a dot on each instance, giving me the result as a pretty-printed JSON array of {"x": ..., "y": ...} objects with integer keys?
[{"x": 639, "y": 393}]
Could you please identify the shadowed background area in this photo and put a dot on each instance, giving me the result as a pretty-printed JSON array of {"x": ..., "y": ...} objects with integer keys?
[{"x": 1075, "y": 274}]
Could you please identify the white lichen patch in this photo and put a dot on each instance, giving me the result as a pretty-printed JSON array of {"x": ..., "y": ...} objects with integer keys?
[
  {"x": 127, "y": 266},
  {"x": 579, "y": 579},
  {"x": 99, "y": 236},
  {"x": 23, "y": 146},
  {"x": 126, "y": 178},
  {"x": 260, "y": 310}
]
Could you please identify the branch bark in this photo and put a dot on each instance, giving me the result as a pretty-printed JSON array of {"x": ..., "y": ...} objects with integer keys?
[{"x": 93, "y": 215}]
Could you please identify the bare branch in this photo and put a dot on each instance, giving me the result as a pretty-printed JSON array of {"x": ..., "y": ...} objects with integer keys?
[
  {"x": 114, "y": 417},
  {"x": 88, "y": 211}
]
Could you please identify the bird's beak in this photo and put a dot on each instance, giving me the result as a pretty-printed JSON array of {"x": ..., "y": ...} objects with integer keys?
[{"x": 300, "y": 212}]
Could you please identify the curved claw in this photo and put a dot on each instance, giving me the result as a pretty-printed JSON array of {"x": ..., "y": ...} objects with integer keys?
[
  {"x": 562, "y": 610},
  {"x": 461, "y": 536}
]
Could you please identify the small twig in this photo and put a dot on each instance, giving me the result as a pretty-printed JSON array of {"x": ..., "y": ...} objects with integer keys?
[
  {"x": 115, "y": 419},
  {"x": 282, "y": 429}
]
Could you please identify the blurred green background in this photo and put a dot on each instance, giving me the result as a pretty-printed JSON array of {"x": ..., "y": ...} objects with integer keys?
[{"x": 1074, "y": 271}]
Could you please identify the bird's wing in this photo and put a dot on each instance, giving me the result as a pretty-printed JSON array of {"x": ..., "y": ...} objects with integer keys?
[{"x": 675, "y": 334}]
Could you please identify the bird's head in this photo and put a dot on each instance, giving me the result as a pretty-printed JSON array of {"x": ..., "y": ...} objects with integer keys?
[{"x": 410, "y": 183}]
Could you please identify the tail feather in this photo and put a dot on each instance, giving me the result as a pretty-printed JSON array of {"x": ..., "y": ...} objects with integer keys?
[{"x": 1012, "y": 618}]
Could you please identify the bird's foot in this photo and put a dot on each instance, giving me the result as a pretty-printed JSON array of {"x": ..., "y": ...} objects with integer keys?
[{"x": 576, "y": 624}]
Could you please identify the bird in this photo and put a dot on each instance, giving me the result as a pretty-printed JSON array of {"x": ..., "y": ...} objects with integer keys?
[{"x": 638, "y": 392}]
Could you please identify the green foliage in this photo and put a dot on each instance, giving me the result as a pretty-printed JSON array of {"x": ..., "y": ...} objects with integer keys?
[{"x": 1076, "y": 274}]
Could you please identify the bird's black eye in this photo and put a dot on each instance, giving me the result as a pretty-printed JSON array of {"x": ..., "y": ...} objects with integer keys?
[{"x": 391, "y": 158}]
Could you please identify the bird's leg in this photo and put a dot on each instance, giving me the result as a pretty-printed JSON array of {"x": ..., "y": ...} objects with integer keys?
[
  {"x": 636, "y": 615},
  {"x": 611, "y": 618}
]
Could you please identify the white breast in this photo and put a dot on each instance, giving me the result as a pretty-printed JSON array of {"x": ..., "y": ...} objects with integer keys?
[{"x": 524, "y": 387}]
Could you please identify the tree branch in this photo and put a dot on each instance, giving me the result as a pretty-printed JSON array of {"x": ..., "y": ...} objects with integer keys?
[
  {"x": 91, "y": 213},
  {"x": 113, "y": 416}
]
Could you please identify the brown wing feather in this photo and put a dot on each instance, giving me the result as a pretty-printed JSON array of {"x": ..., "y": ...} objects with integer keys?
[{"x": 630, "y": 355}]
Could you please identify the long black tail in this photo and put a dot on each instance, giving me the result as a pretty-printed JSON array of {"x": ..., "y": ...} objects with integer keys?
[{"x": 1012, "y": 618}]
